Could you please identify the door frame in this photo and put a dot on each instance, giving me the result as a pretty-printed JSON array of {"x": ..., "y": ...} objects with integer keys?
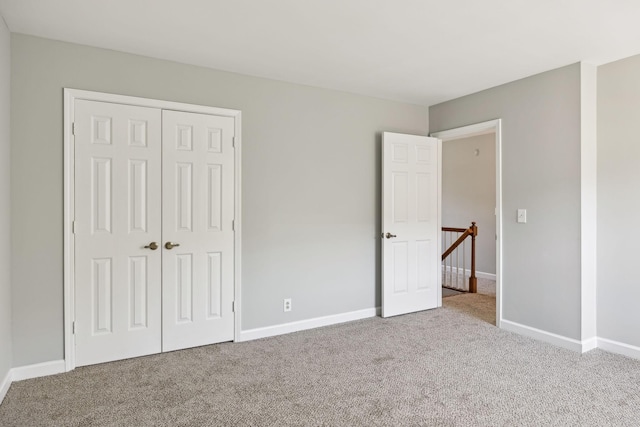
[
  {"x": 491, "y": 126},
  {"x": 70, "y": 96}
]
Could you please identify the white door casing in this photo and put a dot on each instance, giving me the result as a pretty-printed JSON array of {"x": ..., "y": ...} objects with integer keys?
[
  {"x": 198, "y": 214},
  {"x": 411, "y": 175},
  {"x": 117, "y": 206},
  {"x": 491, "y": 126}
]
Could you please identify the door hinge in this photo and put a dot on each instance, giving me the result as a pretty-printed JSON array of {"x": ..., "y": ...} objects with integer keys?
[
  {"x": 73, "y": 128},
  {"x": 73, "y": 227},
  {"x": 233, "y": 306},
  {"x": 233, "y": 141},
  {"x": 73, "y": 328},
  {"x": 233, "y": 225}
]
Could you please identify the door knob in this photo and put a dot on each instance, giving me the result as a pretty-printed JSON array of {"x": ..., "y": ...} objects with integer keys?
[
  {"x": 170, "y": 245},
  {"x": 389, "y": 235},
  {"x": 153, "y": 246}
]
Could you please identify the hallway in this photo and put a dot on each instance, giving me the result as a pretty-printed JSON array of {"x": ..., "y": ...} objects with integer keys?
[{"x": 481, "y": 305}]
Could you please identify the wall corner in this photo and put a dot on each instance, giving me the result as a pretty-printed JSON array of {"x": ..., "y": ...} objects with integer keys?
[{"x": 588, "y": 199}]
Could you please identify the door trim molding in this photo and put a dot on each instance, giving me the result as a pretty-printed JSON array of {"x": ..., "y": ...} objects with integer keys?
[
  {"x": 491, "y": 126},
  {"x": 70, "y": 96}
]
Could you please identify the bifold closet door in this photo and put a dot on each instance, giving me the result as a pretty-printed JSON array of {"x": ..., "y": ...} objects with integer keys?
[
  {"x": 118, "y": 216},
  {"x": 198, "y": 245}
]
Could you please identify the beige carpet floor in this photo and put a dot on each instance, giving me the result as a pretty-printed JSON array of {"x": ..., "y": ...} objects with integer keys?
[
  {"x": 482, "y": 305},
  {"x": 442, "y": 367},
  {"x": 450, "y": 292}
]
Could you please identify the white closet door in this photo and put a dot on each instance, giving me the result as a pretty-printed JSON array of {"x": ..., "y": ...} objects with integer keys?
[
  {"x": 198, "y": 209},
  {"x": 118, "y": 208}
]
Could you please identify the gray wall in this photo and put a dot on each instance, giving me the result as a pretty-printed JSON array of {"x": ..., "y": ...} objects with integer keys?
[
  {"x": 469, "y": 192},
  {"x": 5, "y": 277},
  {"x": 618, "y": 291},
  {"x": 310, "y": 177},
  {"x": 541, "y": 173}
]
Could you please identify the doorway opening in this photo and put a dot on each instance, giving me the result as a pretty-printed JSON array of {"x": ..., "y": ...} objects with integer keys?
[{"x": 471, "y": 192}]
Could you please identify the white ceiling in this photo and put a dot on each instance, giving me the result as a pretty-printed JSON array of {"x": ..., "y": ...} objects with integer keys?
[{"x": 418, "y": 51}]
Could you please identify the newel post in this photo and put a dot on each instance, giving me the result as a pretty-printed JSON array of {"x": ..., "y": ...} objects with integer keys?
[{"x": 473, "y": 280}]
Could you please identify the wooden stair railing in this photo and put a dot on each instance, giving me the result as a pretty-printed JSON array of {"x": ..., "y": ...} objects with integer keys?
[{"x": 466, "y": 232}]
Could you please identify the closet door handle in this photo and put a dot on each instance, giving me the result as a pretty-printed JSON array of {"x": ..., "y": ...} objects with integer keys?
[
  {"x": 153, "y": 246},
  {"x": 170, "y": 245}
]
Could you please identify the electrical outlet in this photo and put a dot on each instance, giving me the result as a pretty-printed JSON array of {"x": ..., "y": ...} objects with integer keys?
[{"x": 287, "y": 304}]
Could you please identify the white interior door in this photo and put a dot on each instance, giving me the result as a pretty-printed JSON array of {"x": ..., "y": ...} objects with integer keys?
[
  {"x": 118, "y": 208},
  {"x": 410, "y": 223},
  {"x": 154, "y": 238},
  {"x": 198, "y": 209}
]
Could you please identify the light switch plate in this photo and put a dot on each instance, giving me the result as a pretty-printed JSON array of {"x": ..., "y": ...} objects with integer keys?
[{"x": 522, "y": 216}]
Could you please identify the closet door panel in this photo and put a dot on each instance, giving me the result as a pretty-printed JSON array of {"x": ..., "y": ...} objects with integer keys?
[
  {"x": 118, "y": 213},
  {"x": 198, "y": 244}
]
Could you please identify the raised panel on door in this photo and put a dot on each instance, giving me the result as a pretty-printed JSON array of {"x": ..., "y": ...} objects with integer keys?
[
  {"x": 410, "y": 216},
  {"x": 198, "y": 209},
  {"x": 118, "y": 212}
]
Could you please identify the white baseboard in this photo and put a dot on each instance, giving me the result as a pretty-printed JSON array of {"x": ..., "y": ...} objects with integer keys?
[
  {"x": 479, "y": 274},
  {"x": 572, "y": 344},
  {"x": 619, "y": 348},
  {"x": 38, "y": 370},
  {"x": 286, "y": 328},
  {"x": 589, "y": 344},
  {"x": 30, "y": 371},
  {"x": 4, "y": 386},
  {"x": 548, "y": 337}
]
